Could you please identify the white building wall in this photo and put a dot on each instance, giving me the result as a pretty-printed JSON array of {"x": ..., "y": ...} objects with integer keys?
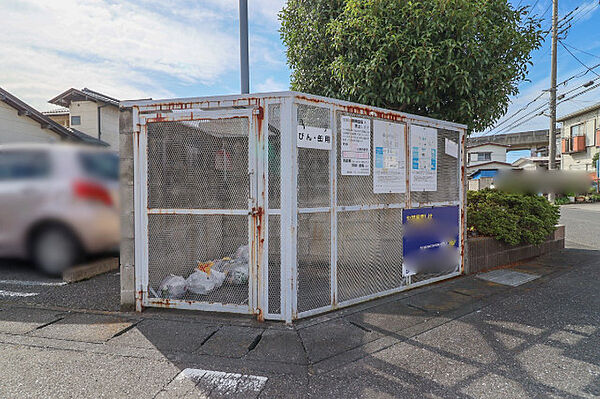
[
  {"x": 88, "y": 111},
  {"x": 22, "y": 129},
  {"x": 498, "y": 154},
  {"x": 582, "y": 161},
  {"x": 109, "y": 126}
]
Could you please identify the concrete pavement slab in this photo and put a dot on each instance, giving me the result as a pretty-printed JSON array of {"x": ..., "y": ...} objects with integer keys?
[
  {"x": 279, "y": 346},
  {"x": 231, "y": 341},
  {"x": 438, "y": 301},
  {"x": 166, "y": 335},
  {"x": 21, "y": 320},
  {"x": 84, "y": 327},
  {"x": 393, "y": 316},
  {"x": 328, "y": 339},
  {"x": 49, "y": 373}
]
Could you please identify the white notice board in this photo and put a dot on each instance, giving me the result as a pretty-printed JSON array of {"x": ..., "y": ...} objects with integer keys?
[
  {"x": 423, "y": 154},
  {"x": 356, "y": 146},
  {"x": 389, "y": 157}
]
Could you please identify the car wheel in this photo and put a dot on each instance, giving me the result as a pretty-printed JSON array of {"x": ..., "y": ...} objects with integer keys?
[{"x": 54, "y": 249}]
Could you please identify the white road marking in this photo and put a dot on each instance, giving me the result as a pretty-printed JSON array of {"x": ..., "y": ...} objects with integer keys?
[
  {"x": 219, "y": 381},
  {"x": 33, "y": 283},
  {"x": 12, "y": 293}
]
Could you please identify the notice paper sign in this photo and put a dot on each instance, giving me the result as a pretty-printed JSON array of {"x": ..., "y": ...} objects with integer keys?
[
  {"x": 356, "y": 146},
  {"x": 389, "y": 167},
  {"x": 314, "y": 137},
  {"x": 423, "y": 152},
  {"x": 451, "y": 148}
]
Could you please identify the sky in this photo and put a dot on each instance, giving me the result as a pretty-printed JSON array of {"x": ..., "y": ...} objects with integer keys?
[{"x": 188, "y": 48}]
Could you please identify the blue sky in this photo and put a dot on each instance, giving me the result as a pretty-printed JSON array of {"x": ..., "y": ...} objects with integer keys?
[{"x": 183, "y": 48}]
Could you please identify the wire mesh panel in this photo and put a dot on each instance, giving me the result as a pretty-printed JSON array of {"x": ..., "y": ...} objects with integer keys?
[
  {"x": 369, "y": 258},
  {"x": 198, "y": 224},
  {"x": 200, "y": 164},
  {"x": 274, "y": 279},
  {"x": 314, "y": 265},
  {"x": 274, "y": 155},
  {"x": 177, "y": 244},
  {"x": 313, "y": 164}
]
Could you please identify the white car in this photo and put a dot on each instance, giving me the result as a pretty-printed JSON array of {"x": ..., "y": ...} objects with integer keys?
[{"x": 59, "y": 202}]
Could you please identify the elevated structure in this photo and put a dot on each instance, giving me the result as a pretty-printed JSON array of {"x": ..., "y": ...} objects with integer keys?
[{"x": 533, "y": 140}]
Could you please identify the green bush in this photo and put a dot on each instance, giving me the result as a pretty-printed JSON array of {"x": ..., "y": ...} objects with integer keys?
[
  {"x": 512, "y": 218},
  {"x": 562, "y": 201}
]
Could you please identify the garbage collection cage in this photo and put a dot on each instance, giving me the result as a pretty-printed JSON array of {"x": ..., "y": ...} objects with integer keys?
[{"x": 286, "y": 205}]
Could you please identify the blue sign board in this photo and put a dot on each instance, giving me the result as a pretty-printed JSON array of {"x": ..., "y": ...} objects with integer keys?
[{"x": 431, "y": 239}]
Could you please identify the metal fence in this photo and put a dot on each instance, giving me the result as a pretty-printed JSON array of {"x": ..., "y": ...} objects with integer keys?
[{"x": 282, "y": 205}]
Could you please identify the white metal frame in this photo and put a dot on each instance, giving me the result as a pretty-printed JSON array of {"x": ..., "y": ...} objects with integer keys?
[
  {"x": 253, "y": 107},
  {"x": 141, "y": 203}
]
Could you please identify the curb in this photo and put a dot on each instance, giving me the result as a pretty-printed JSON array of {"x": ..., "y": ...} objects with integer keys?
[{"x": 89, "y": 270}]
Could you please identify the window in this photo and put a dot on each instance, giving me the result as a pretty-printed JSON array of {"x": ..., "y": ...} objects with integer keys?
[
  {"x": 484, "y": 156},
  {"x": 102, "y": 165},
  {"x": 577, "y": 130},
  {"x": 21, "y": 165},
  {"x": 75, "y": 120}
]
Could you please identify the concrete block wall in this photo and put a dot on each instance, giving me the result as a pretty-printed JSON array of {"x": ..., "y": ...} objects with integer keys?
[
  {"x": 487, "y": 253},
  {"x": 127, "y": 259}
]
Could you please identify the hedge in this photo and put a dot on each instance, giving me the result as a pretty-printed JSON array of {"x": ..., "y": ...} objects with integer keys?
[{"x": 509, "y": 217}]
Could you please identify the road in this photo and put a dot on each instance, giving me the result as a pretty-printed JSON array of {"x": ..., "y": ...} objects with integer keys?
[{"x": 582, "y": 222}]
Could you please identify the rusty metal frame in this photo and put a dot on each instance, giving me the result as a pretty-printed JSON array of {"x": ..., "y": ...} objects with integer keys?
[{"x": 254, "y": 107}]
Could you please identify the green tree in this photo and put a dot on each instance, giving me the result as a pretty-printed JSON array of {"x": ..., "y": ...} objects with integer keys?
[{"x": 458, "y": 60}]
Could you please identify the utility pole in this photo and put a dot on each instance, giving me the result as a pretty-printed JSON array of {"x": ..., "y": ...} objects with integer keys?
[
  {"x": 244, "y": 68},
  {"x": 552, "y": 132}
]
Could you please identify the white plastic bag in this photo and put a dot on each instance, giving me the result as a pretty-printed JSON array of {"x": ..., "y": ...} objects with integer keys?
[
  {"x": 202, "y": 283},
  {"x": 242, "y": 254},
  {"x": 172, "y": 287}
]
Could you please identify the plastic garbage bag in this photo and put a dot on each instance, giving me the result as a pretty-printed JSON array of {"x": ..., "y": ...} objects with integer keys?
[
  {"x": 234, "y": 267},
  {"x": 172, "y": 287},
  {"x": 202, "y": 283},
  {"x": 236, "y": 272},
  {"x": 242, "y": 253}
]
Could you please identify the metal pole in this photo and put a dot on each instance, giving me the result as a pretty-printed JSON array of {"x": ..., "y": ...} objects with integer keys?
[
  {"x": 245, "y": 73},
  {"x": 552, "y": 132}
]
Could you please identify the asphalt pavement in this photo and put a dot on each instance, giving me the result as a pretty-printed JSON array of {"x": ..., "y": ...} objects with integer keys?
[
  {"x": 462, "y": 338},
  {"x": 582, "y": 222}
]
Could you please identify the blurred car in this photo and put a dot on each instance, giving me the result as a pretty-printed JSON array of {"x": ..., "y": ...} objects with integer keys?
[{"x": 58, "y": 203}]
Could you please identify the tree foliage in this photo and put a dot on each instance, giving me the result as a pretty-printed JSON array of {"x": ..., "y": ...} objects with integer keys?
[{"x": 457, "y": 60}]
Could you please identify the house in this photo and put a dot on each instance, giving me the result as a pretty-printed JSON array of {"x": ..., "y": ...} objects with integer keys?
[
  {"x": 580, "y": 139},
  {"x": 533, "y": 163},
  {"x": 60, "y": 116},
  {"x": 92, "y": 113},
  {"x": 488, "y": 157},
  {"x": 21, "y": 123}
]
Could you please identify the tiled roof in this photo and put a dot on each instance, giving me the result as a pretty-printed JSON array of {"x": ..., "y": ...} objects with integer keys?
[{"x": 65, "y": 98}]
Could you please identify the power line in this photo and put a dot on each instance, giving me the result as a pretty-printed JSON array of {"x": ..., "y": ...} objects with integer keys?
[
  {"x": 578, "y": 60},
  {"x": 516, "y": 122},
  {"x": 559, "y": 102},
  {"x": 581, "y": 51}
]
